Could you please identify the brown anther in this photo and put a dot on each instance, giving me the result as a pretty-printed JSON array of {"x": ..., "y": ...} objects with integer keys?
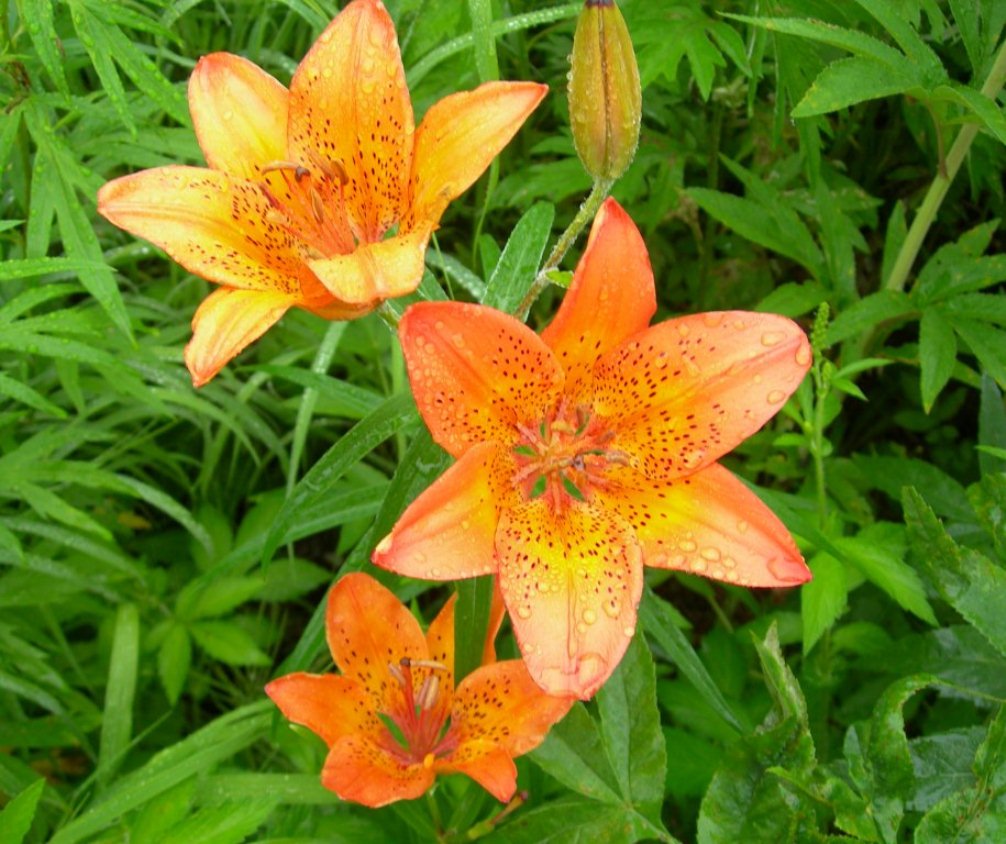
[
  {"x": 405, "y": 662},
  {"x": 428, "y": 692},
  {"x": 317, "y": 206},
  {"x": 578, "y": 462},
  {"x": 301, "y": 172},
  {"x": 273, "y": 166},
  {"x": 334, "y": 170}
]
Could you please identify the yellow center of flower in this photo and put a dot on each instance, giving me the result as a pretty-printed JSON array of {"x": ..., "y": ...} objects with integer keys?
[
  {"x": 416, "y": 722},
  {"x": 566, "y": 456}
]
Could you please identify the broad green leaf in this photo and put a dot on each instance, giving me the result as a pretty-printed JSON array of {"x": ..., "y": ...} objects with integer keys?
[
  {"x": 17, "y": 815},
  {"x": 658, "y": 621},
  {"x": 877, "y": 553},
  {"x": 573, "y": 820},
  {"x": 822, "y": 599},
  {"x": 573, "y": 753},
  {"x": 117, "y": 716},
  {"x": 226, "y": 641},
  {"x": 211, "y": 598},
  {"x": 892, "y": 19},
  {"x": 942, "y": 764},
  {"x": 518, "y": 264},
  {"x": 854, "y": 80},
  {"x": 968, "y": 580},
  {"x": 989, "y": 115},
  {"x": 937, "y": 354},
  {"x": 777, "y": 228},
  {"x": 966, "y": 15},
  {"x": 866, "y": 314},
  {"x": 630, "y": 730},
  {"x": 793, "y": 300},
  {"x": 173, "y": 660},
  {"x": 393, "y": 414}
]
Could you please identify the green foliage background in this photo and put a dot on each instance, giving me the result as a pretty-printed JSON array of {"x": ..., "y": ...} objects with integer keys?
[{"x": 164, "y": 551}]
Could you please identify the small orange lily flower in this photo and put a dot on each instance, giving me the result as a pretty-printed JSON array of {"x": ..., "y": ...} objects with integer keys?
[
  {"x": 305, "y": 185},
  {"x": 391, "y": 671},
  {"x": 590, "y": 451}
]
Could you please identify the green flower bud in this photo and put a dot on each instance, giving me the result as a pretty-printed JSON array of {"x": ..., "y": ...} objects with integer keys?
[{"x": 604, "y": 92}]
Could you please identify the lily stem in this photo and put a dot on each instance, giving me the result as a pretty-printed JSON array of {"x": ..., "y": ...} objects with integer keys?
[
  {"x": 586, "y": 213},
  {"x": 821, "y": 389},
  {"x": 941, "y": 183}
]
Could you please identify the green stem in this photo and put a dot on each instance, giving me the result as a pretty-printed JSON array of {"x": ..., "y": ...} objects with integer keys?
[
  {"x": 817, "y": 446},
  {"x": 586, "y": 213},
  {"x": 941, "y": 183}
]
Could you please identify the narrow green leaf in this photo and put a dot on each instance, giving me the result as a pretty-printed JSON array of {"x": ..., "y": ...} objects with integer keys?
[
  {"x": 173, "y": 660},
  {"x": 481, "y": 13},
  {"x": 230, "y": 823},
  {"x": 937, "y": 354},
  {"x": 658, "y": 622},
  {"x": 201, "y": 599},
  {"x": 471, "y": 621},
  {"x": 991, "y": 426},
  {"x": 31, "y": 397},
  {"x": 518, "y": 265},
  {"x": 866, "y": 314},
  {"x": 987, "y": 343},
  {"x": 17, "y": 815},
  {"x": 117, "y": 716},
  {"x": 393, "y": 414},
  {"x": 38, "y": 20}
]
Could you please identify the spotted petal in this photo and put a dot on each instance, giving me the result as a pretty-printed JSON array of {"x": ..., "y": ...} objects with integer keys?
[
  {"x": 571, "y": 581},
  {"x": 708, "y": 523},
  {"x": 367, "y": 628},
  {"x": 458, "y": 138},
  {"x": 225, "y": 323},
  {"x": 349, "y": 106},
  {"x": 366, "y": 772},
  {"x": 216, "y": 226},
  {"x": 476, "y": 373},
  {"x": 239, "y": 113},
  {"x": 611, "y": 297},
  {"x": 328, "y": 705},
  {"x": 683, "y": 393},
  {"x": 449, "y": 531}
]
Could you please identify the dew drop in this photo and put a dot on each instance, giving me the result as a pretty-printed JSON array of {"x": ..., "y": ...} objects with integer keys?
[
  {"x": 712, "y": 319},
  {"x": 776, "y": 396},
  {"x": 524, "y": 612},
  {"x": 711, "y": 554},
  {"x": 610, "y": 609},
  {"x": 688, "y": 546},
  {"x": 698, "y": 566},
  {"x": 228, "y": 115},
  {"x": 772, "y": 338},
  {"x": 589, "y": 616},
  {"x": 683, "y": 329},
  {"x": 803, "y": 355},
  {"x": 628, "y": 631},
  {"x": 742, "y": 526}
]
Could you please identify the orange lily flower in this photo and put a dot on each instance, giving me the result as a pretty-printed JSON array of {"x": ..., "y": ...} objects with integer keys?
[
  {"x": 305, "y": 185},
  {"x": 591, "y": 450},
  {"x": 391, "y": 671}
]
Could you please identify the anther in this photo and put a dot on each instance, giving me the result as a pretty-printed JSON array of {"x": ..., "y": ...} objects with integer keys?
[
  {"x": 334, "y": 170},
  {"x": 273, "y": 166},
  {"x": 428, "y": 692},
  {"x": 317, "y": 206}
]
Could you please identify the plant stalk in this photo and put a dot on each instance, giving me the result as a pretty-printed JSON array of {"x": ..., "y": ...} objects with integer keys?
[{"x": 941, "y": 183}]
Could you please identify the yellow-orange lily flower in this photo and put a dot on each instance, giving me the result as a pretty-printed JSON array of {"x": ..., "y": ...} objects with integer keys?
[
  {"x": 590, "y": 451},
  {"x": 391, "y": 671},
  {"x": 305, "y": 185}
]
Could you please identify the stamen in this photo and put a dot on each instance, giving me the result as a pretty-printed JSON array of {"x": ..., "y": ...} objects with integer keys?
[
  {"x": 334, "y": 170},
  {"x": 428, "y": 692},
  {"x": 273, "y": 166},
  {"x": 396, "y": 672},
  {"x": 317, "y": 206}
]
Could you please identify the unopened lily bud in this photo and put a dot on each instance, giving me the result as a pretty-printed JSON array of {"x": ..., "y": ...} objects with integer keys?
[{"x": 604, "y": 92}]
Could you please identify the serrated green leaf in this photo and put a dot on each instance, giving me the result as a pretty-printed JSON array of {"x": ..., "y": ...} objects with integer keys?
[
  {"x": 573, "y": 820},
  {"x": 630, "y": 730},
  {"x": 793, "y": 299},
  {"x": 968, "y": 580},
  {"x": 573, "y": 753},
  {"x": 854, "y": 80},
  {"x": 991, "y": 426},
  {"x": 892, "y": 19},
  {"x": 38, "y": 20},
  {"x": 866, "y": 314},
  {"x": 518, "y": 264},
  {"x": 210, "y": 599},
  {"x": 17, "y": 815},
  {"x": 937, "y": 354},
  {"x": 987, "y": 343},
  {"x": 822, "y": 599},
  {"x": 942, "y": 764}
]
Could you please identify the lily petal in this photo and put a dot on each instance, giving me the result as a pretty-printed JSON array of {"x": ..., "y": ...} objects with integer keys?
[
  {"x": 709, "y": 524},
  {"x": 366, "y": 772},
  {"x": 349, "y": 106},
  {"x": 449, "y": 531},
  {"x": 226, "y": 322},
  {"x": 572, "y": 582},
  {"x": 216, "y": 226},
  {"x": 459, "y": 137},
  {"x": 375, "y": 271},
  {"x": 328, "y": 705},
  {"x": 612, "y": 297},
  {"x": 484, "y": 762},
  {"x": 476, "y": 373},
  {"x": 501, "y": 704},
  {"x": 239, "y": 114},
  {"x": 440, "y": 643},
  {"x": 367, "y": 628},
  {"x": 683, "y": 393}
]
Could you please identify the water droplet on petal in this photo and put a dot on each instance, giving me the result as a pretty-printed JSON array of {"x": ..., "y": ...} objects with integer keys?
[
  {"x": 742, "y": 526},
  {"x": 688, "y": 546},
  {"x": 524, "y": 612},
  {"x": 711, "y": 554},
  {"x": 628, "y": 631},
  {"x": 772, "y": 338},
  {"x": 776, "y": 396},
  {"x": 589, "y": 616},
  {"x": 698, "y": 566},
  {"x": 712, "y": 319},
  {"x": 803, "y": 355}
]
